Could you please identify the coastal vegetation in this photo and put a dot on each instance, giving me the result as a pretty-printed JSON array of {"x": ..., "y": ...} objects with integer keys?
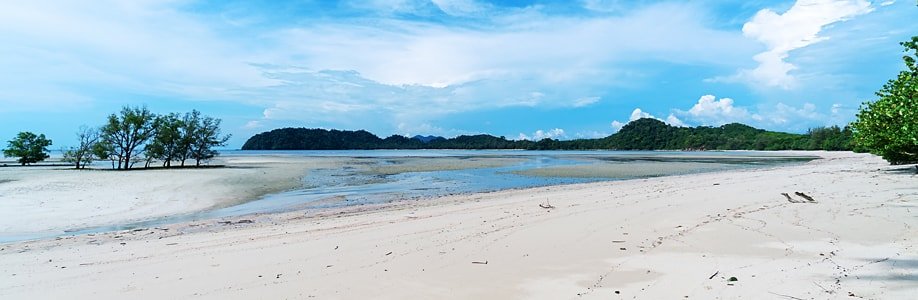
[
  {"x": 888, "y": 127},
  {"x": 28, "y": 147},
  {"x": 642, "y": 134},
  {"x": 132, "y": 136},
  {"x": 138, "y": 135},
  {"x": 82, "y": 155}
]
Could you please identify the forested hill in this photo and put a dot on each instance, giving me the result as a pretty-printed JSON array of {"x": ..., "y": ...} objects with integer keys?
[{"x": 643, "y": 134}]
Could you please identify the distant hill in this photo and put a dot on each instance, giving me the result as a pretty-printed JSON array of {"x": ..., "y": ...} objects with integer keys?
[
  {"x": 428, "y": 139},
  {"x": 643, "y": 134}
]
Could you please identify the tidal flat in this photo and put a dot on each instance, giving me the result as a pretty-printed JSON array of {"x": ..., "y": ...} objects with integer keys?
[
  {"x": 724, "y": 234},
  {"x": 42, "y": 202}
]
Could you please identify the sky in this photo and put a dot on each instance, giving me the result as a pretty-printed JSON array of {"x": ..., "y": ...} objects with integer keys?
[{"x": 523, "y": 69}]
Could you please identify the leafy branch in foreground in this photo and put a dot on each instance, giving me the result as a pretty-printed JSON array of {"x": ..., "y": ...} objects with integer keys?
[{"x": 889, "y": 126}]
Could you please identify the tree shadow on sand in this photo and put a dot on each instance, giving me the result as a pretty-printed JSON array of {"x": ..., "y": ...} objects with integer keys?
[
  {"x": 903, "y": 270},
  {"x": 903, "y": 170}
]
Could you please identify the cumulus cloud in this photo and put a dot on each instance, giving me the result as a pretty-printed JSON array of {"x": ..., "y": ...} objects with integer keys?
[
  {"x": 638, "y": 114},
  {"x": 556, "y": 133},
  {"x": 322, "y": 70},
  {"x": 673, "y": 120},
  {"x": 796, "y": 28},
  {"x": 712, "y": 111},
  {"x": 616, "y": 125}
]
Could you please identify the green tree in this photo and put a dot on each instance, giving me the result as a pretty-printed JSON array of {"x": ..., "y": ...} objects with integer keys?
[
  {"x": 82, "y": 154},
  {"x": 123, "y": 137},
  {"x": 28, "y": 147},
  {"x": 889, "y": 126},
  {"x": 167, "y": 143},
  {"x": 205, "y": 137}
]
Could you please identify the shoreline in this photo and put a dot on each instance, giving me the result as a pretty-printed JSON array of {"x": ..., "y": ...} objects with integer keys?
[{"x": 651, "y": 238}]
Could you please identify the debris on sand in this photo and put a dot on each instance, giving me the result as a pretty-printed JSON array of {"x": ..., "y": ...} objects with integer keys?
[
  {"x": 805, "y": 196},
  {"x": 244, "y": 221},
  {"x": 789, "y": 199}
]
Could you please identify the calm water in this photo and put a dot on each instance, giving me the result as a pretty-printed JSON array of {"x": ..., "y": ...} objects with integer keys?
[{"x": 346, "y": 186}]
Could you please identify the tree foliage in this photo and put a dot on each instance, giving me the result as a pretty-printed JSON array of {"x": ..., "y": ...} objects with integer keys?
[
  {"x": 889, "y": 126},
  {"x": 82, "y": 154},
  {"x": 169, "y": 140},
  {"x": 28, "y": 147},
  {"x": 205, "y": 136},
  {"x": 136, "y": 134},
  {"x": 125, "y": 134}
]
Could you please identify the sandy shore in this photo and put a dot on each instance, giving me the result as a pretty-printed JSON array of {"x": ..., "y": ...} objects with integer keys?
[
  {"x": 54, "y": 199},
  {"x": 662, "y": 238}
]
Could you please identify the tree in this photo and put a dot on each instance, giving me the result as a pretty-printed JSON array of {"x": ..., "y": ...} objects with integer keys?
[
  {"x": 190, "y": 123},
  {"x": 205, "y": 137},
  {"x": 28, "y": 147},
  {"x": 168, "y": 144},
  {"x": 82, "y": 154},
  {"x": 889, "y": 126},
  {"x": 124, "y": 135}
]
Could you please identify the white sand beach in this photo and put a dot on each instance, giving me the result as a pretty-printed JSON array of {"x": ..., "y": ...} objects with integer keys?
[
  {"x": 53, "y": 199},
  {"x": 677, "y": 237}
]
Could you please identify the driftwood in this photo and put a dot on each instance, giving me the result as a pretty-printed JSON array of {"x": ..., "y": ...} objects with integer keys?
[
  {"x": 789, "y": 199},
  {"x": 805, "y": 196},
  {"x": 712, "y": 276},
  {"x": 546, "y": 205},
  {"x": 480, "y": 262},
  {"x": 243, "y": 221}
]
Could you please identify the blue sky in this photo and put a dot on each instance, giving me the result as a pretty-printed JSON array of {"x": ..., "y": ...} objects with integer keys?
[{"x": 521, "y": 69}]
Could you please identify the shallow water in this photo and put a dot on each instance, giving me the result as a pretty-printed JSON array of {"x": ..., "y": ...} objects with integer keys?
[{"x": 356, "y": 182}]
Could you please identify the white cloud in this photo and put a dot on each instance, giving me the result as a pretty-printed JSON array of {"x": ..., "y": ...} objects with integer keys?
[
  {"x": 254, "y": 124},
  {"x": 390, "y": 6},
  {"x": 888, "y": 3},
  {"x": 323, "y": 70},
  {"x": 603, "y": 5},
  {"x": 638, "y": 114},
  {"x": 783, "y": 113},
  {"x": 836, "y": 108},
  {"x": 616, "y": 125},
  {"x": 585, "y": 101},
  {"x": 712, "y": 111},
  {"x": 673, "y": 120},
  {"x": 113, "y": 45},
  {"x": 556, "y": 133},
  {"x": 539, "y": 47},
  {"x": 460, "y": 7},
  {"x": 796, "y": 28},
  {"x": 591, "y": 135}
]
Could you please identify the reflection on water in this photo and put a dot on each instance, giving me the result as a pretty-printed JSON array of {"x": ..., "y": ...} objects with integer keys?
[{"x": 354, "y": 184}]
